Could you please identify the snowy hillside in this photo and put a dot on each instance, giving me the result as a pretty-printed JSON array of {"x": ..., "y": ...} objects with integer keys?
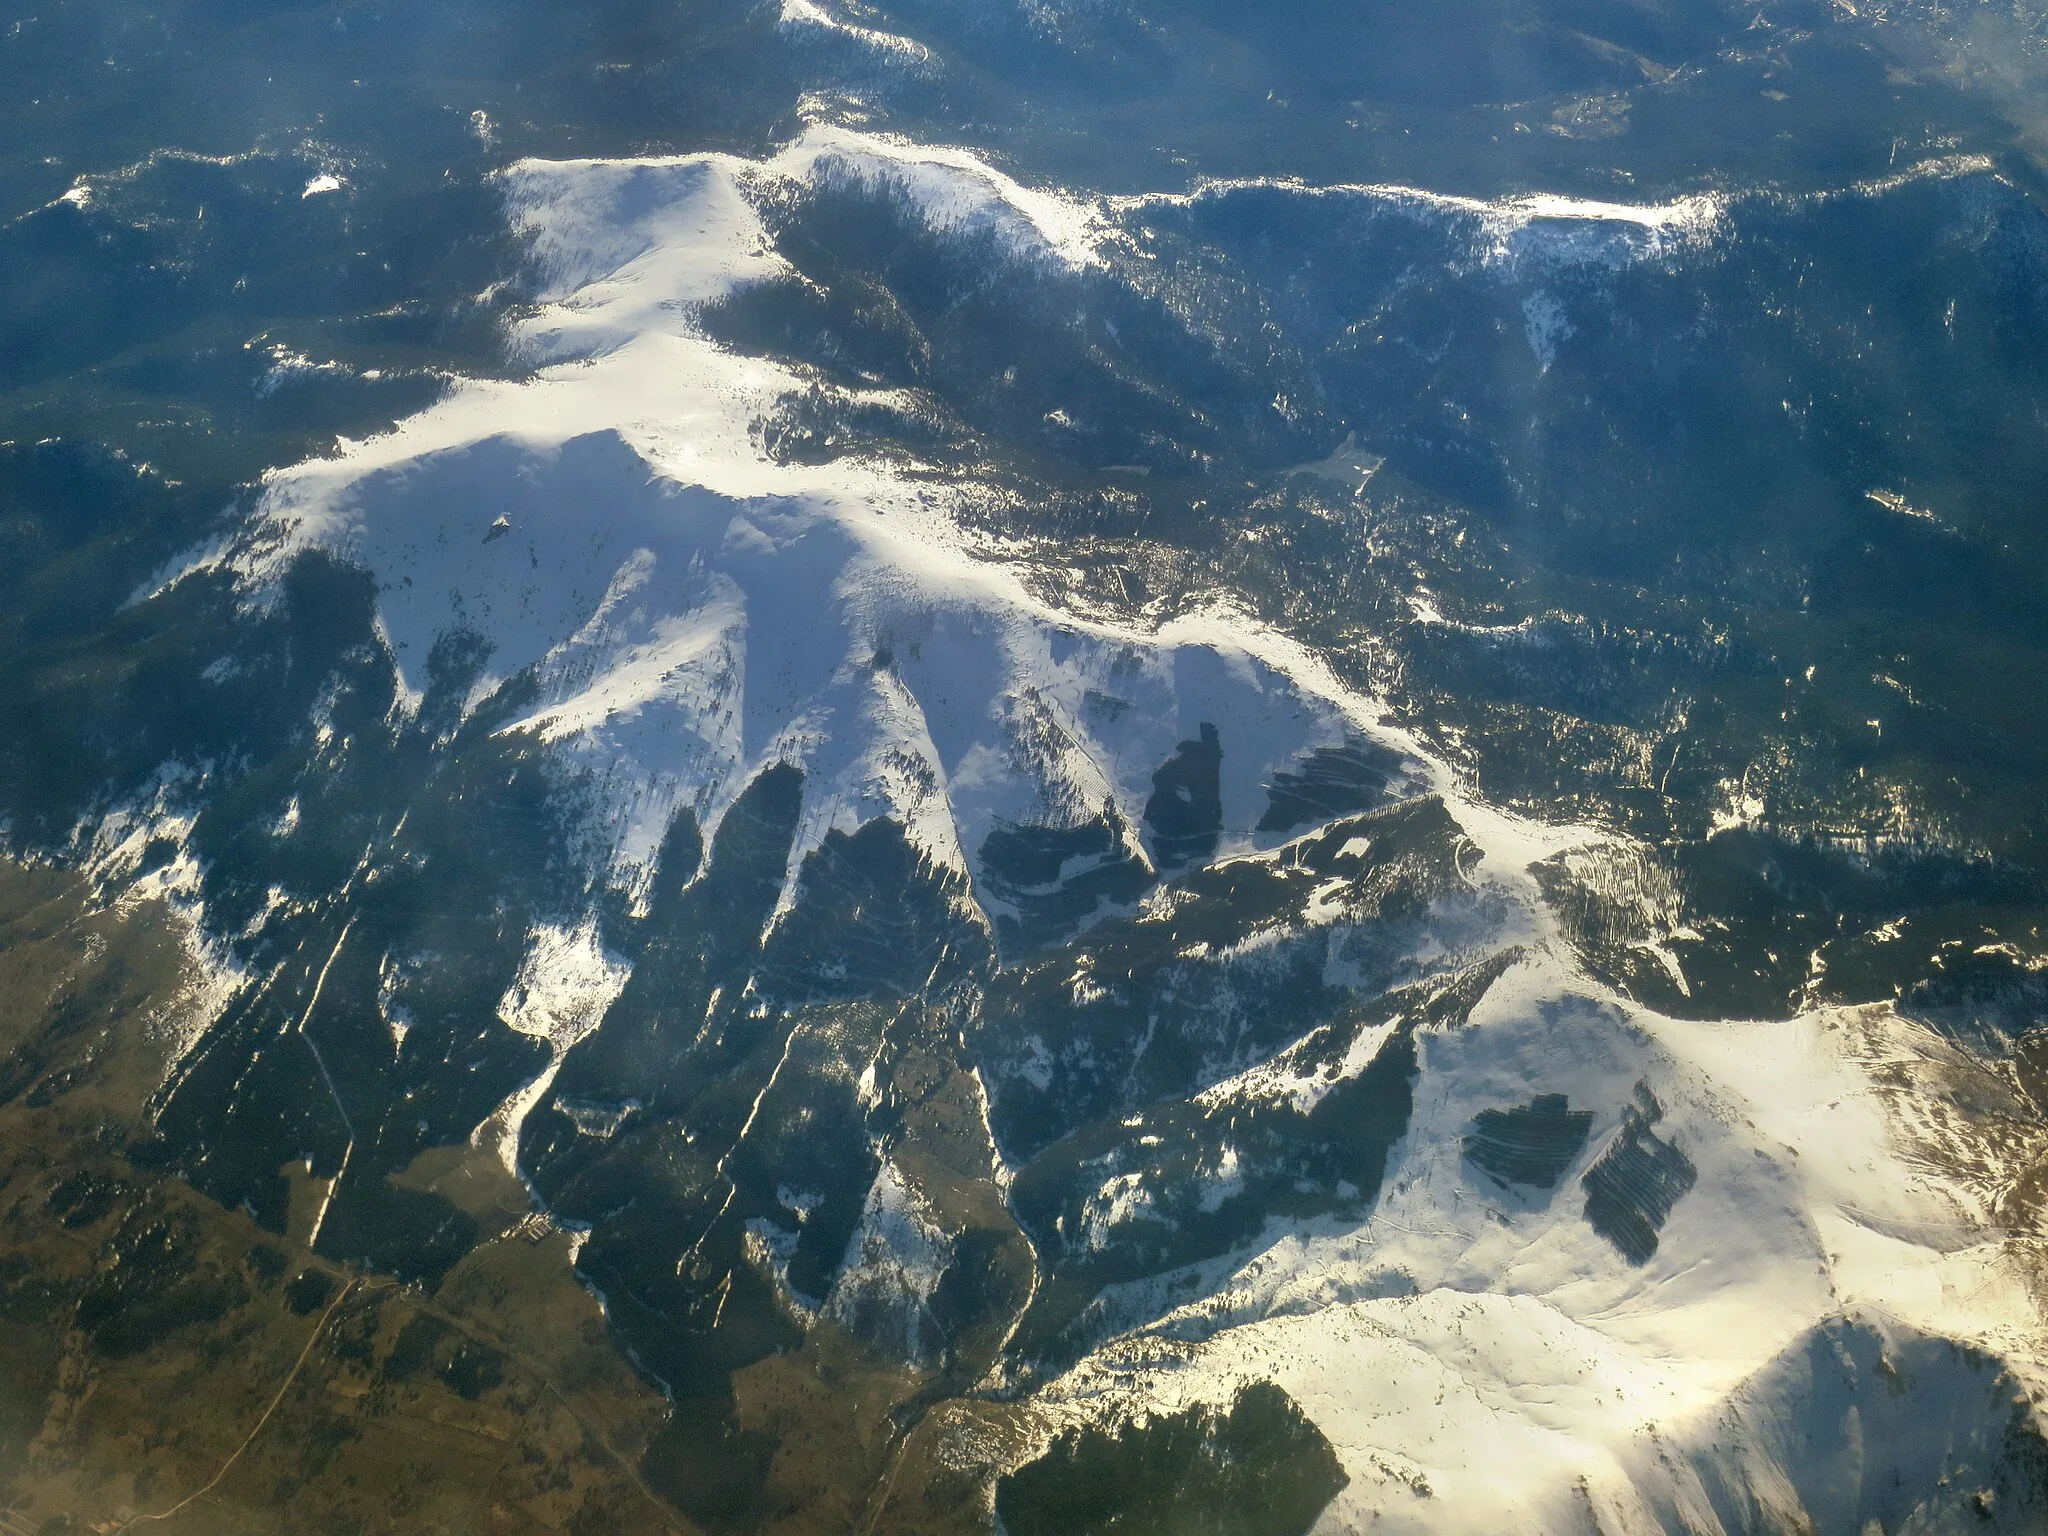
[{"x": 1288, "y": 1073}]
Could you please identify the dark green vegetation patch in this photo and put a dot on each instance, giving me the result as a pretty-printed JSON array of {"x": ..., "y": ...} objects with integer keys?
[
  {"x": 1261, "y": 1469},
  {"x": 1631, "y": 1190},
  {"x": 1530, "y": 1144}
]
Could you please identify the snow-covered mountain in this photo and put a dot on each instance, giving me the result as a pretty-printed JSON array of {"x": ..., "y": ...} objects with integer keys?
[{"x": 1102, "y": 1014}]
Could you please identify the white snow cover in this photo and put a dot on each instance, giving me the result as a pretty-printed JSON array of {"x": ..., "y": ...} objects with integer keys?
[
  {"x": 566, "y": 981},
  {"x": 1534, "y": 232},
  {"x": 893, "y": 1265},
  {"x": 806, "y": 21},
  {"x": 693, "y": 611},
  {"x": 136, "y": 849},
  {"x": 1489, "y": 1346}
]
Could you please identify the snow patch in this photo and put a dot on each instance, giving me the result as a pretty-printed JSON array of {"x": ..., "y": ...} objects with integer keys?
[
  {"x": 1531, "y": 234},
  {"x": 565, "y": 983},
  {"x": 894, "y": 1263},
  {"x": 1488, "y": 1345},
  {"x": 806, "y": 21},
  {"x": 1546, "y": 324}
]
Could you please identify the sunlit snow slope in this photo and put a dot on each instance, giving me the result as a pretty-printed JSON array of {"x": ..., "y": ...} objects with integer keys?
[{"x": 687, "y": 612}]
